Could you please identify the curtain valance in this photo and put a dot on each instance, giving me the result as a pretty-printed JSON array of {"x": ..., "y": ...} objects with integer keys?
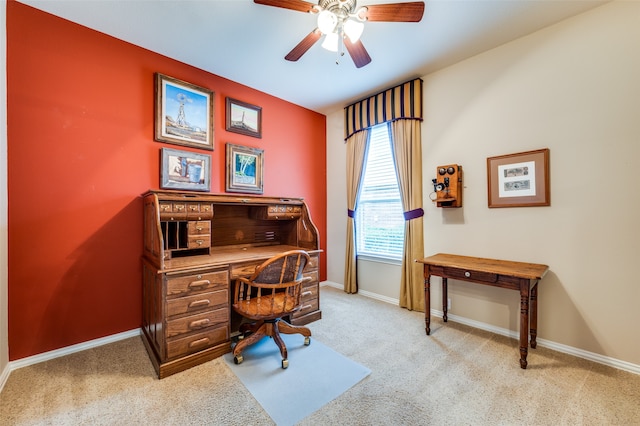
[{"x": 402, "y": 101}]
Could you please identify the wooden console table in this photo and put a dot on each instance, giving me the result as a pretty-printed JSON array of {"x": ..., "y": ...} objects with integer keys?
[{"x": 519, "y": 276}]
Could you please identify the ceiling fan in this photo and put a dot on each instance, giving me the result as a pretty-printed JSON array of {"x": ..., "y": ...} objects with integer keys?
[{"x": 342, "y": 21}]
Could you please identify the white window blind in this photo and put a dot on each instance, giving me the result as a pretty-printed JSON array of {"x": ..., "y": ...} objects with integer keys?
[{"x": 379, "y": 216}]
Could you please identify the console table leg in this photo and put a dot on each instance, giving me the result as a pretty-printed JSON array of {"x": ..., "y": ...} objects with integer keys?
[
  {"x": 427, "y": 301},
  {"x": 445, "y": 292},
  {"x": 524, "y": 322},
  {"x": 533, "y": 320}
]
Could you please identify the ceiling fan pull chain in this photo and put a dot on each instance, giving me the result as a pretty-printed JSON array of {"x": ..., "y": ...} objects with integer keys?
[{"x": 340, "y": 51}]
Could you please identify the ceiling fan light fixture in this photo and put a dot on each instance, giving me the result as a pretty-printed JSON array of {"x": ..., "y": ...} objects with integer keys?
[
  {"x": 331, "y": 42},
  {"x": 353, "y": 29},
  {"x": 341, "y": 23},
  {"x": 327, "y": 21}
]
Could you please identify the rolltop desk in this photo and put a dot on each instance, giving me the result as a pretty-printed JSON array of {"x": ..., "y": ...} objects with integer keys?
[{"x": 195, "y": 246}]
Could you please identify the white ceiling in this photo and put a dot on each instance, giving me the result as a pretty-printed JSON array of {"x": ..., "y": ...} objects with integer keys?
[{"x": 246, "y": 42}]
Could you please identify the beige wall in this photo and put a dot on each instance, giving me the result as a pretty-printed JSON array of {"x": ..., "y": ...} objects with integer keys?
[{"x": 572, "y": 88}]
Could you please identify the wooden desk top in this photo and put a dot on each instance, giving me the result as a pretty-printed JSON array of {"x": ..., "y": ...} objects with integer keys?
[
  {"x": 224, "y": 256},
  {"x": 532, "y": 271}
]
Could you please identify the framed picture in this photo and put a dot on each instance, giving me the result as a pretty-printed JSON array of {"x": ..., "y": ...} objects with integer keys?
[
  {"x": 519, "y": 180},
  {"x": 244, "y": 169},
  {"x": 244, "y": 118},
  {"x": 184, "y": 113},
  {"x": 185, "y": 170}
]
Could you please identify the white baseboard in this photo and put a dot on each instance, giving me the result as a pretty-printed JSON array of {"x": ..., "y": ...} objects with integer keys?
[
  {"x": 4, "y": 376},
  {"x": 362, "y": 293},
  {"x": 46, "y": 356},
  {"x": 580, "y": 353}
]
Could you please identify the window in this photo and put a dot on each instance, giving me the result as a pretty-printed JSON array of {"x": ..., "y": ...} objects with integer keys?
[{"x": 379, "y": 215}]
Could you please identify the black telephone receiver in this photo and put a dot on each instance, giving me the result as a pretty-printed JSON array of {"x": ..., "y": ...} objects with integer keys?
[{"x": 440, "y": 186}]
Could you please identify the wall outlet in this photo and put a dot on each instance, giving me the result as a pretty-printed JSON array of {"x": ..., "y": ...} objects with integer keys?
[{"x": 448, "y": 304}]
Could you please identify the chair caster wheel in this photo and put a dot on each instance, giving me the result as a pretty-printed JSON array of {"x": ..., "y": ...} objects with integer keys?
[
  {"x": 285, "y": 363},
  {"x": 307, "y": 341},
  {"x": 238, "y": 359}
]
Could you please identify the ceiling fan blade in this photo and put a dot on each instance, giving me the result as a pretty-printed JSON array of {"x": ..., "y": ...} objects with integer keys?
[
  {"x": 358, "y": 53},
  {"x": 393, "y": 12},
  {"x": 302, "y": 47},
  {"x": 299, "y": 5}
]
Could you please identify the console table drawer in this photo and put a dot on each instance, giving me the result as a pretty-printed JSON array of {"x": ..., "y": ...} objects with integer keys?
[
  {"x": 197, "y": 322},
  {"x": 197, "y": 342},
  {"x": 177, "y": 285},
  {"x": 196, "y": 302},
  {"x": 463, "y": 274}
]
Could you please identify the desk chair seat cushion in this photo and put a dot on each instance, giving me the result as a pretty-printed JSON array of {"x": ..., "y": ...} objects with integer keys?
[{"x": 267, "y": 306}]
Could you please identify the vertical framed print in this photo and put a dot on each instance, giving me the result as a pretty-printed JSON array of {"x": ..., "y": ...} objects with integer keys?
[
  {"x": 244, "y": 169},
  {"x": 184, "y": 113}
]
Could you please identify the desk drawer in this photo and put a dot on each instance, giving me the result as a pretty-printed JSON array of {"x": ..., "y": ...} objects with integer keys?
[
  {"x": 184, "y": 284},
  {"x": 463, "y": 274},
  {"x": 314, "y": 277},
  {"x": 196, "y": 302},
  {"x": 199, "y": 211},
  {"x": 313, "y": 264},
  {"x": 197, "y": 322},
  {"x": 197, "y": 342},
  {"x": 309, "y": 292},
  {"x": 199, "y": 227},
  {"x": 198, "y": 241},
  {"x": 309, "y": 305}
]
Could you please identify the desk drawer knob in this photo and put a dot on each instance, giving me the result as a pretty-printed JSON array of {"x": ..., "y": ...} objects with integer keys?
[{"x": 467, "y": 274}]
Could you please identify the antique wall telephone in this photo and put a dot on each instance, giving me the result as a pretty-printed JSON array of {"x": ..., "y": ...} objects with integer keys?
[{"x": 447, "y": 186}]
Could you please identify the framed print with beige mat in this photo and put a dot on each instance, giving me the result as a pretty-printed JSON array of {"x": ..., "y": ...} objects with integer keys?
[{"x": 519, "y": 180}]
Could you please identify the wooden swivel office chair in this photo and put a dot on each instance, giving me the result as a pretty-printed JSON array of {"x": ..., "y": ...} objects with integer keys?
[{"x": 272, "y": 292}]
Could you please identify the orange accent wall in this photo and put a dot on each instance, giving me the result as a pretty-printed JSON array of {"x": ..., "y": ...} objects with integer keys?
[{"x": 81, "y": 150}]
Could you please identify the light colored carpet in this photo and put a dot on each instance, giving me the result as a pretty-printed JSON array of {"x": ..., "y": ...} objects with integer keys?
[
  {"x": 457, "y": 376},
  {"x": 316, "y": 375}
]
